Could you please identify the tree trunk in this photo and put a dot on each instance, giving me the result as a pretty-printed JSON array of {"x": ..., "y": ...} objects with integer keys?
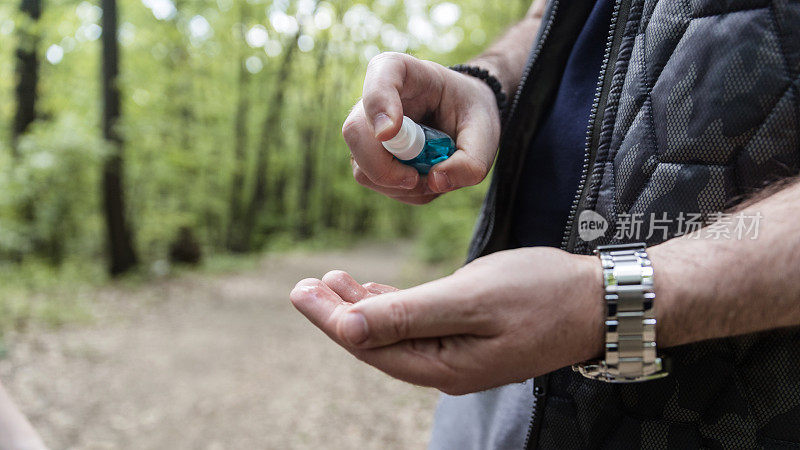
[
  {"x": 270, "y": 134},
  {"x": 27, "y": 69},
  {"x": 311, "y": 140},
  {"x": 328, "y": 199},
  {"x": 120, "y": 243},
  {"x": 306, "y": 185},
  {"x": 362, "y": 218},
  {"x": 240, "y": 132},
  {"x": 279, "y": 206},
  {"x": 180, "y": 87}
]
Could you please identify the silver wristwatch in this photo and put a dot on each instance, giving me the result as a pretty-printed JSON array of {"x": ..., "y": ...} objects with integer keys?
[{"x": 630, "y": 321}]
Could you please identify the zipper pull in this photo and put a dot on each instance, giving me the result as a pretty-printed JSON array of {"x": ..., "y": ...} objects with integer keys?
[{"x": 539, "y": 387}]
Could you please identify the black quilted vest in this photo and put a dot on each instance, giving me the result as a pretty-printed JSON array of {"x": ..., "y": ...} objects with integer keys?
[{"x": 696, "y": 106}]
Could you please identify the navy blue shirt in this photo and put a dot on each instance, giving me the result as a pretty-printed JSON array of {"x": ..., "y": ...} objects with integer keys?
[{"x": 552, "y": 167}]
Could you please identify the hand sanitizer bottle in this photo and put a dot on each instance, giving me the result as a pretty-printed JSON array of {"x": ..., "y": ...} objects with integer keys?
[{"x": 419, "y": 146}]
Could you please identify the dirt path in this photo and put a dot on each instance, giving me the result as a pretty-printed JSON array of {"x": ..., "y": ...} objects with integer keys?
[{"x": 215, "y": 362}]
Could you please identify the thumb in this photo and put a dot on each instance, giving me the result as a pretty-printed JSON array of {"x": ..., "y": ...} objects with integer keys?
[
  {"x": 382, "y": 85},
  {"x": 433, "y": 309}
]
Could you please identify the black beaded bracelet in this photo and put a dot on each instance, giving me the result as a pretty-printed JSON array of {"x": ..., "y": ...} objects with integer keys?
[{"x": 490, "y": 80}]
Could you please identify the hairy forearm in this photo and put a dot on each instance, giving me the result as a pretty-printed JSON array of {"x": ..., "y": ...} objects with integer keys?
[
  {"x": 505, "y": 59},
  {"x": 709, "y": 288}
]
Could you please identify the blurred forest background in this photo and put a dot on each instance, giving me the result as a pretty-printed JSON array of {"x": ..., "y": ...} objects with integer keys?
[{"x": 133, "y": 132}]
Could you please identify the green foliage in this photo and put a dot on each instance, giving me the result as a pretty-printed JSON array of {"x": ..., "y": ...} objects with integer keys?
[
  {"x": 199, "y": 78},
  {"x": 35, "y": 291},
  {"x": 445, "y": 227},
  {"x": 50, "y": 206}
]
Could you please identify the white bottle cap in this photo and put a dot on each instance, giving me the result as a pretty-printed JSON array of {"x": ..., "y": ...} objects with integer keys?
[{"x": 409, "y": 141}]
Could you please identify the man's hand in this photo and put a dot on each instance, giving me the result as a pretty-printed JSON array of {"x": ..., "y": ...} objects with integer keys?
[
  {"x": 464, "y": 107},
  {"x": 503, "y": 318},
  {"x": 519, "y": 313}
]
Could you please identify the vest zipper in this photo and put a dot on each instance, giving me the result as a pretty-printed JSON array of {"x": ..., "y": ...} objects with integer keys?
[
  {"x": 594, "y": 127},
  {"x": 540, "y": 396}
]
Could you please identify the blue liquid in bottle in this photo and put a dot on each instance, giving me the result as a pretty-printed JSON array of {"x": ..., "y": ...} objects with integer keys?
[
  {"x": 419, "y": 146},
  {"x": 438, "y": 147}
]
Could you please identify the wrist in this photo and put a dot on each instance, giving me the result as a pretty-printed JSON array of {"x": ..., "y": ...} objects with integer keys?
[
  {"x": 674, "y": 285},
  {"x": 488, "y": 80},
  {"x": 590, "y": 276},
  {"x": 663, "y": 284},
  {"x": 495, "y": 69}
]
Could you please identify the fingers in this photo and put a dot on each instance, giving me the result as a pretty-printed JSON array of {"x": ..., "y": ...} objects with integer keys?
[
  {"x": 345, "y": 286},
  {"x": 435, "y": 309},
  {"x": 477, "y": 147},
  {"x": 394, "y": 76},
  {"x": 377, "y": 288},
  {"x": 421, "y": 356},
  {"x": 431, "y": 310},
  {"x": 380, "y": 167},
  {"x": 460, "y": 170},
  {"x": 418, "y": 195},
  {"x": 397, "y": 84},
  {"x": 320, "y": 304}
]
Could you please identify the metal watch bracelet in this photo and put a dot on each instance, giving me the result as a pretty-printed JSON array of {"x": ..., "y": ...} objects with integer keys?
[{"x": 630, "y": 321}]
